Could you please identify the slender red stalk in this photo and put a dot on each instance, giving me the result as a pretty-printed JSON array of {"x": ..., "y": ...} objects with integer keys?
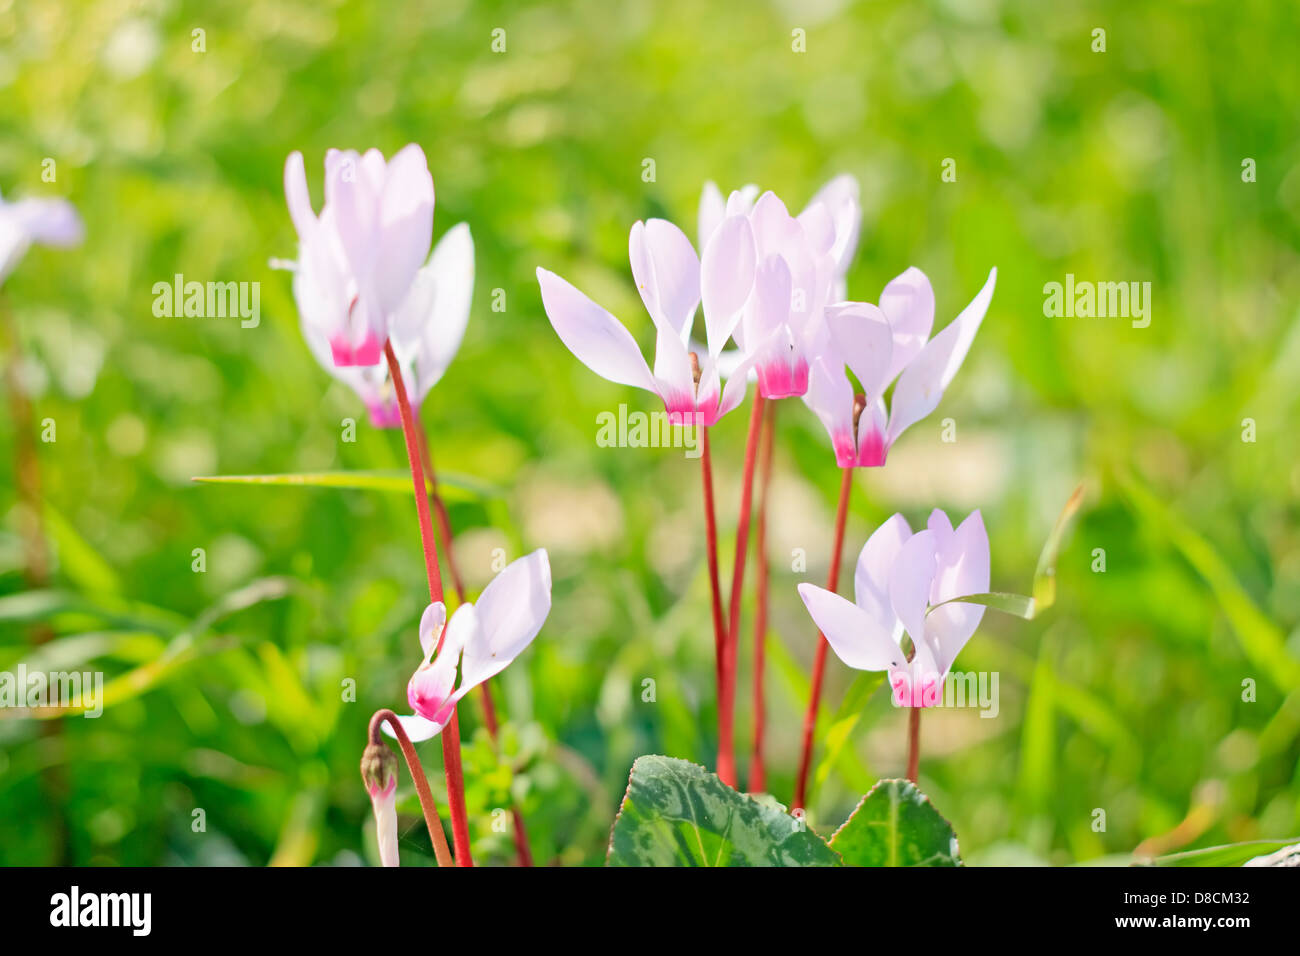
[
  {"x": 522, "y": 850},
  {"x": 430, "y": 809},
  {"x": 727, "y": 700},
  {"x": 819, "y": 656},
  {"x": 711, "y": 548},
  {"x": 36, "y": 565},
  {"x": 913, "y": 742},
  {"x": 757, "y": 770},
  {"x": 450, "y": 733}
]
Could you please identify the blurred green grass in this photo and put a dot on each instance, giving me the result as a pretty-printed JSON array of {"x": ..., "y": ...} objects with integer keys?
[{"x": 1123, "y": 165}]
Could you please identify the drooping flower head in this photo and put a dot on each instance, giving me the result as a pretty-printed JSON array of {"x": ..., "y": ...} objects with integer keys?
[
  {"x": 672, "y": 282},
  {"x": 880, "y": 344},
  {"x": 901, "y": 584},
  {"x": 358, "y": 259},
  {"x": 426, "y": 331},
  {"x": 50, "y": 222},
  {"x": 481, "y": 640},
  {"x": 379, "y": 773}
]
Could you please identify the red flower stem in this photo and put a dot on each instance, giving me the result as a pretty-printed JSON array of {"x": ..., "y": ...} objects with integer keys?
[
  {"x": 711, "y": 548},
  {"x": 757, "y": 770},
  {"x": 819, "y": 657},
  {"x": 27, "y": 467},
  {"x": 440, "y": 512},
  {"x": 451, "y": 733},
  {"x": 913, "y": 742},
  {"x": 36, "y": 565},
  {"x": 431, "y": 818},
  {"x": 727, "y": 701}
]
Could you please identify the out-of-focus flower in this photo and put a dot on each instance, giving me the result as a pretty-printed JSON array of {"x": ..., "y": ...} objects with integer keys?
[
  {"x": 357, "y": 260},
  {"x": 481, "y": 640},
  {"x": 901, "y": 584},
  {"x": 880, "y": 344},
  {"x": 50, "y": 222},
  {"x": 426, "y": 331},
  {"x": 672, "y": 282},
  {"x": 379, "y": 773}
]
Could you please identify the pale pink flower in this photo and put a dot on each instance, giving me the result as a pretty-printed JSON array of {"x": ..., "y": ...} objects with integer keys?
[
  {"x": 481, "y": 640},
  {"x": 880, "y": 344},
  {"x": 426, "y": 331},
  {"x": 673, "y": 282},
  {"x": 358, "y": 259},
  {"x": 901, "y": 584},
  {"x": 50, "y": 222}
]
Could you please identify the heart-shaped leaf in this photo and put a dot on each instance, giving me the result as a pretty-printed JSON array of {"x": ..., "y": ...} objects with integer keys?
[
  {"x": 676, "y": 813},
  {"x": 896, "y": 825}
]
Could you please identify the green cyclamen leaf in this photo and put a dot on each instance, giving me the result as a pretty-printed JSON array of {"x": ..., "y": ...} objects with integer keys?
[
  {"x": 896, "y": 825},
  {"x": 676, "y": 813}
]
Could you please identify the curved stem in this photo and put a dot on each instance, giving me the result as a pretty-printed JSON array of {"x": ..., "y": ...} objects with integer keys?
[
  {"x": 757, "y": 769},
  {"x": 431, "y": 818},
  {"x": 522, "y": 849},
  {"x": 913, "y": 742},
  {"x": 819, "y": 657},
  {"x": 711, "y": 552},
  {"x": 451, "y": 732},
  {"x": 727, "y": 702}
]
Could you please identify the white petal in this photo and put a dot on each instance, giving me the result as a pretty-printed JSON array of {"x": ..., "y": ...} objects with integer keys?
[
  {"x": 598, "y": 339},
  {"x": 857, "y": 638},
  {"x": 297, "y": 196},
  {"x": 431, "y": 624},
  {"x": 909, "y": 582},
  {"x": 712, "y": 208},
  {"x": 908, "y": 304},
  {"x": 830, "y": 396},
  {"x": 667, "y": 273},
  {"x": 726, "y": 278},
  {"x": 962, "y": 568},
  {"x": 511, "y": 611},
  {"x": 877, "y": 559},
  {"x": 452, "y": 269},
  {"x": 416, "y": 727},
  {"x": 405, "y": 223},
  {"x": 864, "y": 341},
  {"x": 51, "y": 222},
  {"x": 922, "y": 383}
]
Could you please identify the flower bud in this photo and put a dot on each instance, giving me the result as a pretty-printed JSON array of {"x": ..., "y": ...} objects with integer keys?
[{"x": 379, "y": 773}]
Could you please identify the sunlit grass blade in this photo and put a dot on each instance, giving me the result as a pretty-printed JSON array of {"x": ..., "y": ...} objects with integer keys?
[
  {"x": 180, "y": 651},
  {"x": 1261, "y": 640},
  {"x": 1022, "y": 605},
  {"x": 1045, "y": 573},
  {"x": 1231, "y": 854},
  {"x": 451, "y": 486}
]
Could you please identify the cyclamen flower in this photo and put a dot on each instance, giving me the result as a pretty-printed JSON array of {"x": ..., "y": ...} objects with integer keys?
[
  {"x": 802, "y": 264},
  {"x": 673, "y": 282},
  {"x": 839, "y": 197},
  {"x": 880, "y": 344},
  {"x": 358, "y": 259},
  {"x": 481, "y": 640},
  {"x": 426, "y": 331},
  {"x": 900, "y": 585},
  {"x": 51, "y": 222}
]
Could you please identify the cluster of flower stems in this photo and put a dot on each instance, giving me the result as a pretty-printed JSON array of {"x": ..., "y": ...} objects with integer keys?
[
  {"x": 758, "y": 457},
  {"x": 425, "y": 486}
]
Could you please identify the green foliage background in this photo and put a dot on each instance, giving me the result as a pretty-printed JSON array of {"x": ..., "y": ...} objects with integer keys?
[{"x": 1122, "y": 165}]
